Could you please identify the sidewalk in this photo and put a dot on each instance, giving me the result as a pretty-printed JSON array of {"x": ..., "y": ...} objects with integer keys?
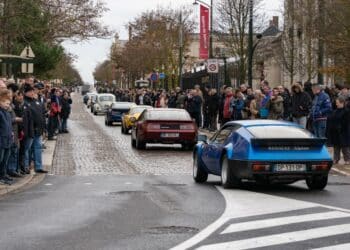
[
  {"x": 32, "y": 178},
  {"x": 338, "y": 168}
]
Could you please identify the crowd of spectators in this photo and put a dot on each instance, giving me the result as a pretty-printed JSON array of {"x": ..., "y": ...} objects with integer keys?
[
  {"x": 29, "y": 110},
  {"x": 322, "y": 110}
]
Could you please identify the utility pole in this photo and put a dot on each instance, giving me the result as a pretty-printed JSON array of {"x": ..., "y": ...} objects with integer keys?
[
  {"x": 250, "y": 45},
  {"x": 211, "y": 31},
  {"x": 321, "y": 18},
  {"x": 181, "y": 42}
]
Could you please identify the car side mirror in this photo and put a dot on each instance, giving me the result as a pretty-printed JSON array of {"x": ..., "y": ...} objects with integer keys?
[{"x": 202, "y": 138}]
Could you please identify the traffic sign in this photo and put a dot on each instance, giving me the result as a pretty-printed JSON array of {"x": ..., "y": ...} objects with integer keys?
[
  {"x": 154, "y": 77},
  {"x": 161, "y": 76},
  {"x": 27, "y": 67},
  {"x": 213, "y": 66}
]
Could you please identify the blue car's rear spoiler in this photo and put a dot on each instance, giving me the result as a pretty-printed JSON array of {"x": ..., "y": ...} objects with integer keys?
[{"x": 307, "y": 142}]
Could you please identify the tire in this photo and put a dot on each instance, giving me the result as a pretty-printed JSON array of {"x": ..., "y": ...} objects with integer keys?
[
  {"x": 106, "y": 123},
  {"x": 95, "y": 113},
  {"x": 133, "y": 142},
  {"x": 140, "y": 144},
  {"x": 317, "y": 182},
  {"x": 186, "y": 146},
  {"x": 228, "y": 179},
  {"x": 199, "y": 175},
  {"x": 122, "y": 129}
]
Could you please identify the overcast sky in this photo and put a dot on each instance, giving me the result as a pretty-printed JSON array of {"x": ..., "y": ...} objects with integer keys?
[{"x": 92, "y": 52}]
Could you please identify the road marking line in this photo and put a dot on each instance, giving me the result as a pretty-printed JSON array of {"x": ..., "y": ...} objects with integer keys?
[
  {"x": 335, "y": 247},
  {"x": 259, "y": 224},
  {"x": 340, "y": 171},
  {"x": 278, "y": 239},
  {"x": 48, "y": 184},
  {"x": 88, "y": 183}
]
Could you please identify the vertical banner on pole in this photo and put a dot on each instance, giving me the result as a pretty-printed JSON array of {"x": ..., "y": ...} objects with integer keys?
[{"x": 204, "y": 33}]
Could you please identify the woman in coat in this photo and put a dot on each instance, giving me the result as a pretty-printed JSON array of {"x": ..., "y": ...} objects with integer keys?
[{"x": 338, "y": 131}]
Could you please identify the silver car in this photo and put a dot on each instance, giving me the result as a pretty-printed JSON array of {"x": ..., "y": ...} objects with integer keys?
[{"x": 102, "y": 103}]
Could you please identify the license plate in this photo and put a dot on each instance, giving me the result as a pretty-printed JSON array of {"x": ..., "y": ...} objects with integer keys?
[
  {"x": 290, "y": 167},
  {"x": 169, "y": 135}
]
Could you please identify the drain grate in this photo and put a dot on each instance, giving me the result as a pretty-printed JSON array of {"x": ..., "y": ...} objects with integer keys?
[
  {"x": 172, "y": 230},
  {"x": 126, "y": 193},
  {"x": 338, "y": 184},
  {"x": 169, "y": 185}
]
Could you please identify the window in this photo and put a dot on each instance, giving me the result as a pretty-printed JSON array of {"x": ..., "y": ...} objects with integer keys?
[
  {"x": 276, "y": 132},
  {"x": 177, "y": 115},
  {"x": 106, "y": 99},
  {"x": 222, "y": 135}
]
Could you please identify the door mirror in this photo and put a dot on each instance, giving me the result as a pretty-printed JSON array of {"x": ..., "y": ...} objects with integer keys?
[{"x": 202, "y": 138}]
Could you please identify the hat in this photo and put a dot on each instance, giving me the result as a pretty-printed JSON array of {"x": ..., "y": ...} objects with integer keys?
[
  {"x": 27, "y": 88},
  {"x": 39, "y": 86},
  {"x": 317, "y": 85}
]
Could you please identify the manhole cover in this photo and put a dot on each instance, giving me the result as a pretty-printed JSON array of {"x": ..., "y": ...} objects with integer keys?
[
  {"x": 169, "y": 185},
  {"x": 338, "y": 184},
  {"x": 126, "y": 192},
  {"x": 172, "y": 230}
]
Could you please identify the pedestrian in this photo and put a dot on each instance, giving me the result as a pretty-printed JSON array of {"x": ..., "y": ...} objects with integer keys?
[
  {"x": 172, "y": 100},
  {"x": 227, "y": 108},
  {"x": 321, "y": 108},
  {"x": 284, "y": 92},
  {"x": 66, "y": 102},
  {"x": 194, "y": 106},
  {"x": 6, "y": 135},
  {"x": 338, "y": 131},
  {"x": 55, "y": 109},
  {"x": 237, "y": 105},
  {"x": 275, "y": 105},
  {"x": 300, "y": 105},
  {"x": 213, "y": 109},
  {"x": 256, "y": 104}
]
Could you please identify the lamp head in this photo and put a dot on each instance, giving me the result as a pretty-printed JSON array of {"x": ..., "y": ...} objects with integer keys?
[{"x": 195, "y": 2}]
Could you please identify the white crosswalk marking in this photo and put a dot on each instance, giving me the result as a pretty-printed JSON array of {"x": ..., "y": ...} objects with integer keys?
[
  {"x": 259, "y": 224},
  {"x": 277, "y": 239},
  {"x": 335, "y": 247}
]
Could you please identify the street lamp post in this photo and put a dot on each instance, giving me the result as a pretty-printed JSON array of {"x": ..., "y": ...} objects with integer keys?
[
  {"x": 250, "y": 45},
  {"x": 211, "y": 24},
  {"x": 181, "y": 42}
]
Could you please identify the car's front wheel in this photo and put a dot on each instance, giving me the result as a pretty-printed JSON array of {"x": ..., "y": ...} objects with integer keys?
[
  {"x": 228, "y": 178},
  {"x": 317, "y": 182},
  {"x": 199, "y": 175}
]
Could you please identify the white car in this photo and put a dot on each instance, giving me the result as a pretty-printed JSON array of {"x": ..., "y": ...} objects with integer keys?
[{"x": 102, "y": 103}]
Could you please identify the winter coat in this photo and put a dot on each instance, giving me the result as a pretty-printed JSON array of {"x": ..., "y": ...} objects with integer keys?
[
  {"x": 33, "y": 118},
  {"x": 321, "y": 106},
  {"x": 338, "y": 128},
  {"x": 213, "y": 104},
  {"x": 301, "y": 104},
  {"x": 227, "y": 112},
  {"x": 172, "y": 101},
  {"x": 6, "y": 134},
  {"x": 65, "y": 108},
  {"x": 180, "y": 101},
  {"x": 236, "y": 107},
  {"x": 276, "y": 108},
  {"x": 194, "y": 105}
]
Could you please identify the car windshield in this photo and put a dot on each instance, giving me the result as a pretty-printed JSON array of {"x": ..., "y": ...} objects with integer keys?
[
  {"x": 178, "y": 115},
  {"x": 122, "y": 105},
  {"x": 137, "y": 110},
  {"x": 276, "y": 132},
  {"x": 106, "y": 98}
]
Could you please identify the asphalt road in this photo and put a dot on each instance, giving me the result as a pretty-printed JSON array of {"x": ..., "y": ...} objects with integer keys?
[{"x": 102, "y": 194}]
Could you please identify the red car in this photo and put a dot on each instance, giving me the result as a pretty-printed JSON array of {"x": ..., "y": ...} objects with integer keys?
[{"x": 167, "y": 126}]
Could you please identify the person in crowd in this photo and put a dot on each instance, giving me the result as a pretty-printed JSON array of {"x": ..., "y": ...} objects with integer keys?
[
  {"x": 6, "y": 133},
  {"x": 213, "y": 109},
  {"x": 172, "y": 100},
  {"x": 284, "y": 93},
  {"x": 18, "y": 103},
  {"x": 66, "y": 103},
  {"x": 338, "y": 131},
  {"x": 227, "y": 110},
  {"x": 180, "y": 99},
  {"x": 237, "y": 105},
  {"x": 300, "y": 105},
  {"x": 222, "y": 97},
  {"x": 256, "y": 104},
  {"x": 162, "y": 101},
  {"x": 321, "y": 108},
  {"x": 244, "y": 90},
  {"x": 248, "y": 98},
  {"x": 33, "y": 126},
  {"x": 55, "y": 109},
  {"x": 205, "y": 110},
  {"x": 308, "y": 89},
  {"x": 194, "y": 106},
  {"x": 275, "y": 105}
]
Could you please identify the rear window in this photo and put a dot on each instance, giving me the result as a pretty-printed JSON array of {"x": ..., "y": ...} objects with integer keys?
[
  {"x": 276, "y": 132},
  {"x": 122, "y": 105},
  {"x": 175, "y": 115},
  {"x": 106, "y": 99},
  {"x": 138, "y": 110}
]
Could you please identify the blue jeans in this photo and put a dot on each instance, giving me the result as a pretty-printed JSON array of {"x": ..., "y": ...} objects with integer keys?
[
  {"x": 35, "y": 144},
  {"x": 302, "y": 121},
  {"x": 13, "y": 163},
  {"x": 4, "y": 157},
  {"x": 319, "y": 128},
  {"x": 63, "y": 124}
]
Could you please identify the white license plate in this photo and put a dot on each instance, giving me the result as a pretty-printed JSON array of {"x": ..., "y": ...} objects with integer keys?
[
  {"x": 169, "y": 135},
  {"x": 290, "y": 167}
]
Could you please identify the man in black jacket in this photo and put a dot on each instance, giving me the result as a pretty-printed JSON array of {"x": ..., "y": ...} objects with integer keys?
[
  {"x": 213, "y": 109},
  {"x": 301, "y": 105},
  {"x": 33, "y": 127}
]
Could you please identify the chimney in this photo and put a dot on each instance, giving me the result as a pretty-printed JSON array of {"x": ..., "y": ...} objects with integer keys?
[{"x": 275, "y": 21}]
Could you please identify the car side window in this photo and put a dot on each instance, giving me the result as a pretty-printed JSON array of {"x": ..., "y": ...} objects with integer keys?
[{"x": 222, "y": 135}]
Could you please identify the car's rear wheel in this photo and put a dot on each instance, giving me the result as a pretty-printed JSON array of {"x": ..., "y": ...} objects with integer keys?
[
  {"x": 199, "y": 175},
  {"x": 187, "y": 146},
  {"x": 228, "y": 178},
  {"x": 139, "y": 143},
  {"x": 133, "y": 142},
  {"x": 317, "y": 182}
]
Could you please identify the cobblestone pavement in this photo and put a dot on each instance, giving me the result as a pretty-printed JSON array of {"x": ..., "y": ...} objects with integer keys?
[{"x": 91, "y": 148}]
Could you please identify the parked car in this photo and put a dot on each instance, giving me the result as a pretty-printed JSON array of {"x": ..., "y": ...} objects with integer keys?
[
  {"x": 102, "y": 103},
  {"x": 167, "y": 126},
  {"x": 264, "y": 151},
  {"x": 129, "y": 118},
  {"x": 116, "y": 111}
]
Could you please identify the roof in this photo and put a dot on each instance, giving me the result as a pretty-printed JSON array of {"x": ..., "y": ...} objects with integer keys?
[
  {"x": 271, "y": 31},
  {"x": 249, "y": 123}
]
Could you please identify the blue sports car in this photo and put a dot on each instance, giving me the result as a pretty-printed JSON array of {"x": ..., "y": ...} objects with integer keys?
[{"x": 264, "y": 151}]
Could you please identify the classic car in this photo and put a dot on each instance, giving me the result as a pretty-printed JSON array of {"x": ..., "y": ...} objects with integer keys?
[
  {"x": 264, "y": 151},
  {"x": 130, "y": 117},
  {"x": 102, "y": 103},
  {"x": 166, "y": 126},
  {"x": 116, "y": 111}
]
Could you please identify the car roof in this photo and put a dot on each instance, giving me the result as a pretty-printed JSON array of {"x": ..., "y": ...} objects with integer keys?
[
  {"x": 169, "y": 109},
  {"x": 252, "y": 123},
  {"x": 105, "y": 94}
]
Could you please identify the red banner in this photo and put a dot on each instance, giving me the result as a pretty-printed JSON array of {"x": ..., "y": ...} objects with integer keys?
[{"x": 204, "y": 33}]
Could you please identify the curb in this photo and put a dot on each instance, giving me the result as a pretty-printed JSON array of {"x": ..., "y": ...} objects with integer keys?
[
  {"x": 32, "y": 179},
  {"x": 335, "y": 169}
]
